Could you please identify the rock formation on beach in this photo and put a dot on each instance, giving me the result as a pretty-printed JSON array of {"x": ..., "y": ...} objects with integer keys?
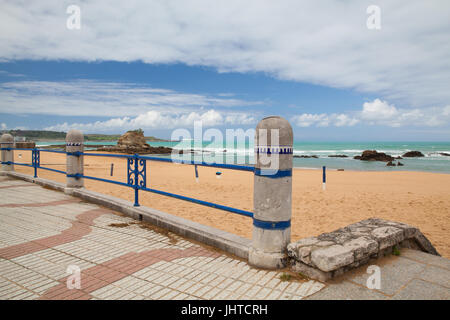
[
  {"x": 373, "y": 155},
  {"x": 411, "y": 154},
  {"x": 134, "y": 142},
  {"x": 337, "y": 156}
]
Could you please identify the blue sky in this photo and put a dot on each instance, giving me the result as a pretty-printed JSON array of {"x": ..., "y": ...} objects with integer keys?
[{"x": 320, "y": 67}]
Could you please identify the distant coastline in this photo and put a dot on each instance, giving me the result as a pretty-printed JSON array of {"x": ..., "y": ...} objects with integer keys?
[{"x": 58, "y": 136}]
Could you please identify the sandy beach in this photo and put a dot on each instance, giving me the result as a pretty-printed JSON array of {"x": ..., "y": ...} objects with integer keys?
[{"x": 417, "y": 198}]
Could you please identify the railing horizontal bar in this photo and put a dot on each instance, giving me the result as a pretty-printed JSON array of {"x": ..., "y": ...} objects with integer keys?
[
  {"x": 198, "y": 163},
  {"x": 19, "y": 164},
  {"x": 106, "y": 155},
  {"x": 106, "y": 180},
  {"x": 53, "y": 151},
  {"x": 54, "y": 170},
  {"x": 24, "y": 149},
  {"x": 204, "y": 203}
]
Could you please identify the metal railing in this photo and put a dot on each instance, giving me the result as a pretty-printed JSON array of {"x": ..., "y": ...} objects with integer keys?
[{"x": 136, "y": 174}]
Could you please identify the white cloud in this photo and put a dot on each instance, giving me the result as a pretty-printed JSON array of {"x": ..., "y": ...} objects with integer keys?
[
  {"x": 378, "y": 112},
  {"x": 10, "y": 74},
  {"x": 323, "y": 42},
  {"x": 160, "y": 120},
  {"x": 95, "y": 98},
  {"x": 129, "y": 105},
  {"x": 343, "y": 120},
  {"x": 324, "y": 120}
]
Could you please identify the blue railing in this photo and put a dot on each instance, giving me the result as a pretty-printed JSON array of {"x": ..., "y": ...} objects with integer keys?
[{"x": 136, "y": 174}]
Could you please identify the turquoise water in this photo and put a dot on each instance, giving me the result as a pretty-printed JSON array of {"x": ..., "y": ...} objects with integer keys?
[{"x": 432, "y": 162}]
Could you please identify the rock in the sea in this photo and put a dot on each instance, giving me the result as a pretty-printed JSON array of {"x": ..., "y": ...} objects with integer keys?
[
  {"x": 411, "y": 154},
  {"x": 444, "y": 154},
  {"x": 373, "y": 155},
  {"x": 400, "y": 164},
  {"x": 133, "y": 138},
  {"x": 134, "y": 142},
  {"x": 390, "y": 164},
  {"x": 306, "y": 156},
  {"x": 337, "y": 156}
]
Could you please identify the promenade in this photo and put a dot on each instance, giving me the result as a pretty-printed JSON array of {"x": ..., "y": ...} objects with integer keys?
[{"x": 45, "y": 235}]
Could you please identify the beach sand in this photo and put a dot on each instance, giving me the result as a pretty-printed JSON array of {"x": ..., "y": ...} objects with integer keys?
[{"x": 417, "y": 198}]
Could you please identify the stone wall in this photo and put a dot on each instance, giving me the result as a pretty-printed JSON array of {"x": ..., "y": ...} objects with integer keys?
[{"x": 331, "y": 254}]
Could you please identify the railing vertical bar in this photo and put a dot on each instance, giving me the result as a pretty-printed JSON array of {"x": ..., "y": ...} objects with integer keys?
[{"x": 136, "y": 180}]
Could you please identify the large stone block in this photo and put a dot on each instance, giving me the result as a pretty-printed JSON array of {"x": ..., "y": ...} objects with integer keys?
[
  {"x": 362, "y": 247},
  {"x": 330, "y": 254},
  {"x": 332, "y": 258},
  {"x": 387, "y": 236}
]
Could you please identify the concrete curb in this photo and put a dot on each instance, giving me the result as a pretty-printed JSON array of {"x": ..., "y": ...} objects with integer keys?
[{"x": 223, "y": 240}]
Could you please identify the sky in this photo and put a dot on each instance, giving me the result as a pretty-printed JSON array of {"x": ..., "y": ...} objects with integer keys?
[{"x": 162, "y": 65}]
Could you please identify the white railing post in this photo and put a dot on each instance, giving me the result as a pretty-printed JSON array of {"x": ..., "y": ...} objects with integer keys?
[
  {"x": 7, "y": 141},
  {"x": 272, "y": 198},
  {"x": 74, "y": 162}
]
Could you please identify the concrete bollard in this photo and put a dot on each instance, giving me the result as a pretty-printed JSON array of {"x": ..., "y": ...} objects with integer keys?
[
  {"x": 7, "y": 141},
  {"x": 272, "y": 198},
  {"x": 74, "y": 163}
]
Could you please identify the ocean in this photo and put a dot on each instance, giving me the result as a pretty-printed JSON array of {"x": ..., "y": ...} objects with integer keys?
[{"x": 432, "y": 162}]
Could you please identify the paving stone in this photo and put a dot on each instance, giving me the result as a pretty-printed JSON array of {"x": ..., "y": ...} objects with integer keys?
[
  {"x": 426, "y": 258},
  {"x": 395, "y": 274},
  {"x": 436, "y": 275},
  {"x": 346, "y": 291},
  {"x": 423, "y": 290}
]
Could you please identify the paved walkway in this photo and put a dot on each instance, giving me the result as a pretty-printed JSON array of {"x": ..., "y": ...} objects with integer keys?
[
  {"x": 45, "y": 236},
  {"x": 44, "y": 232}
]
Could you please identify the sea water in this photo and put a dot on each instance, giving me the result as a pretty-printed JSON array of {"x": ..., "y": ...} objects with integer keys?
[{"x": 210, "y": 151}]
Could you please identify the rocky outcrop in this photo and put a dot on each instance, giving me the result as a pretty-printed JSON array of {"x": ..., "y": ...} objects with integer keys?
[
  {"x": 444, "y": 154},
  {"x": 373, "y": 155},
  {"x": 331, "y": 254},
  {"x": 337, "y": 156},
  {"x": 25, "y": 144},
  {"x": 134, "y": 138},
  {"x": 411, "y": 154},
  {"x": 134, "y": 142},
  {"x": 390, "y": 164},
  {"x": 306, "y": 156}
]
